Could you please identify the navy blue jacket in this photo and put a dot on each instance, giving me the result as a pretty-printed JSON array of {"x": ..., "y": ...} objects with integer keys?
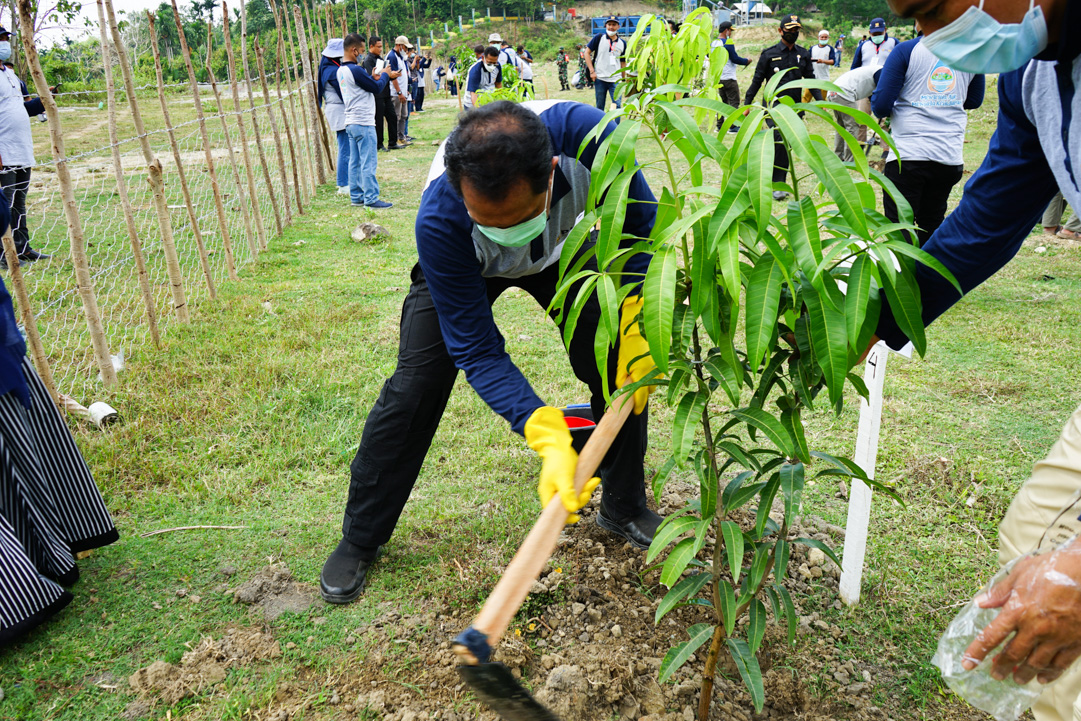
[
  {"x": 1005, "y": 198},
  {"x": 448, "y": 259},
  {"x": 12, "y": 345},
  {"x": 328, "y": 73}
]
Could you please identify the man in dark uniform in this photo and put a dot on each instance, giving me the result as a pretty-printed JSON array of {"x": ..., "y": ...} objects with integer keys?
[
  {"x": 384, "y": 108},
  {"x": 795, "y": 62},
  {"x": 504, "y": 191},
  {"x": 561, "y": 63}
]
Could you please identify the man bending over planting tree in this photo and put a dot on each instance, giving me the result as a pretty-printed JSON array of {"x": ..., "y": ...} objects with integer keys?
[{"x": 504, "y": 191}]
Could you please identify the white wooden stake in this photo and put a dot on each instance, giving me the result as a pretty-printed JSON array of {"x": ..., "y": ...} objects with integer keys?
[{"x": 859, "y": 499}]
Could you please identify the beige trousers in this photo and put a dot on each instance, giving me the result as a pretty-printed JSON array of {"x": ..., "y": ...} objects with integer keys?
[{"x": 1035, "y": 517}]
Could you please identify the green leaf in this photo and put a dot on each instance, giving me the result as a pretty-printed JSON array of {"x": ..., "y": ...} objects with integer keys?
[
  {"x": 708, "y": 489},
  {"x": 683, "y": 123},
  {"x": 616, "y": 154},
  {"x": 756, "y": 626},
  {"x": 667, "y": 213},
  {"x": 829, "y": 338},
  {"x": 922, "y": 256},
  {"x": 742, "y": 495},
  {"x": 774, "y": 602},
  {"x": 769, "y": 425},
  {"x": 804, "y": 236},
  {"x": 850, "y": 467},
  {"x": 857, "y": 299},
  {"x": 794, "y": 425},
  {"x": 661, "y": 477},
  {"x": 670, "y": 530},
  {"x": 763, "y": 303},
  {"x": 688, "y": 415},
  {"x": 659, "y": 302},
  {"x": 677, "y": 561},
  {"x": 609, "y": 303},
  {"x": 678, "y": 654},
  {"x": 904, "y": 299},
  {"x": 780, "y": 554},
  {"x": 842, "y": 189},
  {"x": 747, "y": 664},
  {"x": 820, "y": 546},
  {"x": 789, "y": 610},
  {"x": 733, "y": 546},
  {"x": 613, "y": 215},
  {"x": 688, "y": 587},
  {"x": 758, "y": 567},
  {"x": 736, "y": 452},
  {"x": 733, "y": 487},
  {"x": 792, "y": 475},
  {"x": 576, "y": 239},
  {"x": 760, "y": 179},
  {"x": 728, "y": 605},
  {"x": 765, "y": 504}
]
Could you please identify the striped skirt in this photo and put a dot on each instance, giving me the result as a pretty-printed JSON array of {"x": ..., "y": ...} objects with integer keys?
[{"x": 50, "y": 509}]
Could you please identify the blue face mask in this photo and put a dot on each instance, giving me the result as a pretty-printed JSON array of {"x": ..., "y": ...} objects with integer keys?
[
  {"x": 977, "y": 43},
  {"x": 522, "y": 234},
  {"x": 5, "y": 49}
]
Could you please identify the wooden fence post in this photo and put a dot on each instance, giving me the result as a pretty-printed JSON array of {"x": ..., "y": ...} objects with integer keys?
[
  {"x": 77, "y": 240},
  {"x": 298, "y": 167},
  {"x": 122, "y": 187},
  {"x": 313, "y": 115},
  {"x": 251, "y": 104},
  {"x": 219, "y": 203},
  {"x": 253, "y": 191},
  {"x": 172, "y": 262},
  {"x": 301, "y": 120},
  {"x": 274, "y": 126},
  {"x": 192, "y": 217},
  {"x": 30, "y": 323}
]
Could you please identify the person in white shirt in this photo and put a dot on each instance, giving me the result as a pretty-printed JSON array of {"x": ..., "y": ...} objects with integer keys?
[
  {"x": 856, "y": 85},
  {"x": 606, "y": 62},
  {"x": 359, "y": 91},
  {"x": 525, "y": 61},
  {"x": 486, "y": 74},
  {"x": 399, "y": 87},
  {"x": 823, "y": 56}
]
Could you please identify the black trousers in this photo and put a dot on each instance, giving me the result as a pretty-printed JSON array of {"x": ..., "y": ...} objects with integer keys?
[
  {"x": 418, "y": 102},
  {"x": 926, "y": 185},
  {"x": 400, "y": 427},
  {"x": 384, "y": 111},
  {"x": 15, "y": 182}
]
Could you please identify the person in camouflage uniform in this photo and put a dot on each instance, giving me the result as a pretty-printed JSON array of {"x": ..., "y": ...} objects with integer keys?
[
  {"x": 562, "y": 62},
  {"x": 583, "y": 72}
]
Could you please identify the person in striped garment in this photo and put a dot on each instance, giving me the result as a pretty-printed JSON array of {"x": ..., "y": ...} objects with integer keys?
[{"x": 50, "y": 508}]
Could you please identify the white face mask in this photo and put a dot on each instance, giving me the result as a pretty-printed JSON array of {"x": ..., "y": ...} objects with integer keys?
[
  {"x": 977, "y": 43},
  {"x": 823, "y": 41},
  {"x": 613, "y": 33},
  {"x": 490, "y": 67}
]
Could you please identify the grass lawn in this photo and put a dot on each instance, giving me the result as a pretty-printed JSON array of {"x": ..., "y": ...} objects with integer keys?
[{"x": 250, "y": 416}]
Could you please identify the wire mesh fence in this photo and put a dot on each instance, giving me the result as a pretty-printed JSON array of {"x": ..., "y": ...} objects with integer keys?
[{"x": 248, "y": 166}]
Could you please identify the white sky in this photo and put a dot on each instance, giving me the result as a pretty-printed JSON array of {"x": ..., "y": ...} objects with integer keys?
[{"x": 90, "y": 11}]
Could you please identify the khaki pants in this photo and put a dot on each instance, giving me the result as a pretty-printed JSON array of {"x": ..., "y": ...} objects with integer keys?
[
  {"x": 1053, "y": 485},
  {"x": 401, "y": 107},
  {"x": 865, "y": 106},
  {"x": 840, "y": 147}
]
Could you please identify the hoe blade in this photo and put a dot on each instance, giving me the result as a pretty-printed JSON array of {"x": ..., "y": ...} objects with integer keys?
[{"x": 497, "y": 688}]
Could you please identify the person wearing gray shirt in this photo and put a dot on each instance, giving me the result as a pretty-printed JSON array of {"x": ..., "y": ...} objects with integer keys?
[{"x": 926, "y": 102}]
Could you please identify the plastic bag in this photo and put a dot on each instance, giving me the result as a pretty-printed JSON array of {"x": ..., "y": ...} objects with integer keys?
[{"x": 1005, "y": 700}]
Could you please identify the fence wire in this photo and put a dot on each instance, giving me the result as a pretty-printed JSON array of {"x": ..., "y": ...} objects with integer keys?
[{"x": 51, "y": 284}]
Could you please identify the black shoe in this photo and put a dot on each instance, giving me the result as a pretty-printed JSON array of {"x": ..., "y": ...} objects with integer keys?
[
  {"x": 345, "y": 572},
  {"x": 410, "y": 138},
  {"x": 4, "y": 261},
  {"x": 638, "y": 531},
  {"x": 31, "y": 255},
  {"x": 396, "y": 147}
]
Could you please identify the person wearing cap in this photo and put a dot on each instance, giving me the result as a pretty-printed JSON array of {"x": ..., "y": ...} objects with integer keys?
[
  {"x": 16, "y": 152},
  {"x": 399, "y": 87},
  {"x": 606, "y": 62},
  {"x": 795, "y": 62},
  {"x": 1033, "y": 154},
  {"x": 504, "y": 190},
  {"x": 485, "y": 75},
  {"x": 729, "y": 85},
  {"x": 926, "y": 102},
  {"x": 384, "y": 105},
  {"x": 330, "y": 97},
  {"x": 359, "y": 91},
  {"x": 428, "y": 80},
  {"x": 823, "y": 56},
  {"x": 561, "y": 64},
  {"x": 875, "y": 49},
  {"x": 839, "y": 47}
]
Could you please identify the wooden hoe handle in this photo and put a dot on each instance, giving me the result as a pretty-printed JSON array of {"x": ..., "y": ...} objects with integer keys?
[{"x": 537, "y": 548}]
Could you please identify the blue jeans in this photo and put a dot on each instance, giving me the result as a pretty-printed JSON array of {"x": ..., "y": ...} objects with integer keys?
[
  {"x": 363, "y": 186},
  {"x": 343, "y": 158},
  {"x": 603, "y": 88}
]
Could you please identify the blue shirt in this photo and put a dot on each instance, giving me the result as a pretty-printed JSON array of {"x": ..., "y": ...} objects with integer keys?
[
  {"x": 1030, "y": 157},
  {"x": 456, "y": 258}
]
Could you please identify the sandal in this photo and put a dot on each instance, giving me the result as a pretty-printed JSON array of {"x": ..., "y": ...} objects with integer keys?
[{"x": 1068, "y": 234}]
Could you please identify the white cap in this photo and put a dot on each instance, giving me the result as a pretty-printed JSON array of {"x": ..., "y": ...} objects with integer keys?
[
  {"x": 335, "y": 48},
  {"x": 401, "y": 40},
  {"x": 495, "y": 38}
]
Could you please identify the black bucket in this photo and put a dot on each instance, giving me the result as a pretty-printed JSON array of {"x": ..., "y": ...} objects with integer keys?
[{"x": 580, "y": 421}]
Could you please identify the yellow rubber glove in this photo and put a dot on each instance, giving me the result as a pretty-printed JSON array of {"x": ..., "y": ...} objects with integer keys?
[
  {"x": 546, "y": 432},
  {"x": 631, "y": 345}
]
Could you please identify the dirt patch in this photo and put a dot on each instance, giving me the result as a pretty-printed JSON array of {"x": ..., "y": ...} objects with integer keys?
[
  {"x": 273, "y": 591},
  {"x": 202, "y": 667}
]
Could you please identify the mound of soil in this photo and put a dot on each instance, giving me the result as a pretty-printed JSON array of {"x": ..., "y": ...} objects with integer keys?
[
  {"x": 273, "y": 591},
  {"x": 202, "y": 667}
]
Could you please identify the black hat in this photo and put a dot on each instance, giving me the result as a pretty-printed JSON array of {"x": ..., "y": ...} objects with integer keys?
[
  {"x": 5, "y": 31},
  {"x": 611, "y": 19},
  {"x": 790, "y": 22},
  {"x": 724, "y": 26}
]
